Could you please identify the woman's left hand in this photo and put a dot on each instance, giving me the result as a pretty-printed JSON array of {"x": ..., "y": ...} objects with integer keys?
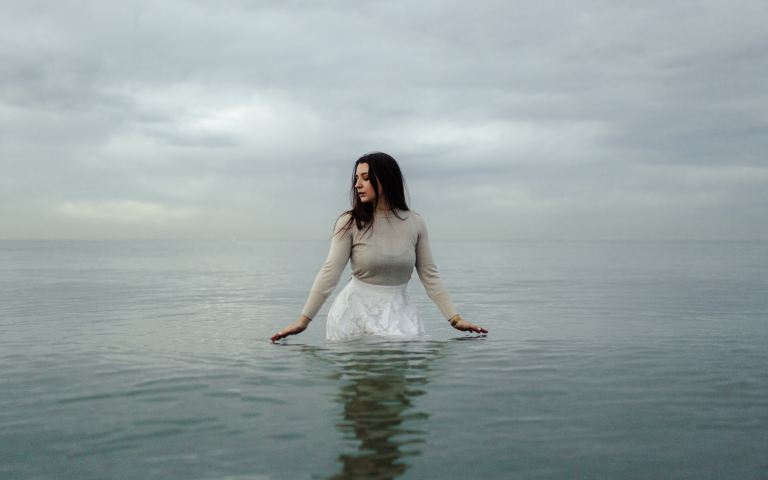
[{"x": 465, "y": 326}]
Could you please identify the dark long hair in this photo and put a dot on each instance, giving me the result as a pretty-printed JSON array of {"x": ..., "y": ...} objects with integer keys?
[{"x": 382, "y": 170}]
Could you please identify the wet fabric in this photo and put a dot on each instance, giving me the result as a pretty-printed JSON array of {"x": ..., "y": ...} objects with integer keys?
[{"x": 366, "y": 309}]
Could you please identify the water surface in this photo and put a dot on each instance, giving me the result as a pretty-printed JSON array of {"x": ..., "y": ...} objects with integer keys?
[{"x": 605, "y": 360}]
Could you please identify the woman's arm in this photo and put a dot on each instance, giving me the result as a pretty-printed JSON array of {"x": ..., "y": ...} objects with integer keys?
[
  {"x": 428, "y": 274},
  {"x": 430, "y": 278},
  {"x": 328, "y": 276},
  {"x": 325, "y": 281}
]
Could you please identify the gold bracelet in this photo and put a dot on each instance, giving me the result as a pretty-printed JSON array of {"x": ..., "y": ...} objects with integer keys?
[{"x": 454, "y": 320}]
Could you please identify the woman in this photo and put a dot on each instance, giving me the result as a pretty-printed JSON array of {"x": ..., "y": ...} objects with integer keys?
[{"x": 385, "y": 240}]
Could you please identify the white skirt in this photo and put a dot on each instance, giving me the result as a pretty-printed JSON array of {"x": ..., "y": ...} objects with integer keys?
[{"x": 366, "y": 309}]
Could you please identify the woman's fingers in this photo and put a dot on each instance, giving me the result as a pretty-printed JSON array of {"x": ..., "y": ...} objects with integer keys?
[
  {"x": 279, "y": 335},
  {"x": 291, "y": 330},
  {"x": 469, "y": 327}
]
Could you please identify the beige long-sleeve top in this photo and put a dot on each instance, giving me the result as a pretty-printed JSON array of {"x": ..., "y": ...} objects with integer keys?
[{"x": 384, "y": 255}]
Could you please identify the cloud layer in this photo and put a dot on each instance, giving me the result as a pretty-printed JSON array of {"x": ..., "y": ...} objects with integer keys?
[{"x": 510, "y": 120}]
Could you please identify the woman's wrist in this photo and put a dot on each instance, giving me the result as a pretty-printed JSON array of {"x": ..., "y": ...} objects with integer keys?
[{"x": 454, "y": 320}]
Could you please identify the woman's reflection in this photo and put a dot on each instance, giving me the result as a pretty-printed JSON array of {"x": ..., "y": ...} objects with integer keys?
[{"x": 379, "y": 383}]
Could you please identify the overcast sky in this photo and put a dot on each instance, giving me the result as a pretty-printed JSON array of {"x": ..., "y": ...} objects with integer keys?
[{"x": 510, "y": 120}]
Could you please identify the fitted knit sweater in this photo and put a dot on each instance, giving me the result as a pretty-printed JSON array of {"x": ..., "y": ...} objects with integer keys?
[{"x": 384, "y": 255}]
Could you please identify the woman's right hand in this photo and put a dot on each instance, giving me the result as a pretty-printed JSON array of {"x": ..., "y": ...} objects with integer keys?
[{"x": 295, "y": 328}]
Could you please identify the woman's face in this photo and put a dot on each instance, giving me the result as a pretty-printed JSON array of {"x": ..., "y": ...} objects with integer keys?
[{"x": 363, "y": 184}]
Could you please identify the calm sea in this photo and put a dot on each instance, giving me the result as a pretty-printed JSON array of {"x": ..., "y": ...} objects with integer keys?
[{"x": 150, "y": 359}]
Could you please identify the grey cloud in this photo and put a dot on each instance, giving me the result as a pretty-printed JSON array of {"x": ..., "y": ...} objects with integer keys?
[{"x": 544, "y": 110}]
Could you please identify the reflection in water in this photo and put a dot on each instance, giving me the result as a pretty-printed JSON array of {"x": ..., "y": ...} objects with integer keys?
[{"x": 379, "y": 380}]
